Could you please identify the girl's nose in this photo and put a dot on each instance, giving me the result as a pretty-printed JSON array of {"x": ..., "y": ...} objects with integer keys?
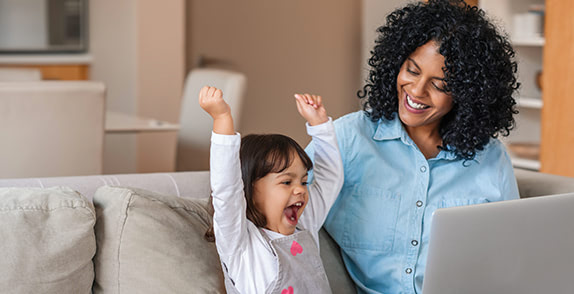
[{"x": 300, "y": 189}]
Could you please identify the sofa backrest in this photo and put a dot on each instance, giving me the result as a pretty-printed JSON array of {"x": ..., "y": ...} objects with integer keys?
[
  {"x": 182, "y": 184},
  {"x": 195, "y": 184}
]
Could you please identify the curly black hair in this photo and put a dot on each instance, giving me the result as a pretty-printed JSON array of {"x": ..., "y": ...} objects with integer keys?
[{"x": 479, "y": 71}]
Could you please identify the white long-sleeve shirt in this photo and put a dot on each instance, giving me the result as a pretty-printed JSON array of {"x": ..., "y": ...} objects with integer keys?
[{"x": 241, "y": 247}]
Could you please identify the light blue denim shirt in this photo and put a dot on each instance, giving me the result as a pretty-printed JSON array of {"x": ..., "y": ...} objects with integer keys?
[{"x": 382, "y": 217}]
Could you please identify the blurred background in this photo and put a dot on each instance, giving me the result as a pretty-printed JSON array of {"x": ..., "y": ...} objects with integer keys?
[{"x": 143, "y": 50}]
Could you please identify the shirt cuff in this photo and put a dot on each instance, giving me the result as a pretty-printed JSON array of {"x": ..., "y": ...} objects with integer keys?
[
  {"x": 320, "y": 129},
  {"x": 230, "y": 140}
]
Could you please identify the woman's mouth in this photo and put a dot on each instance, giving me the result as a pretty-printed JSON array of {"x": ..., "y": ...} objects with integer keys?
[
  {"x": 413, "y": 106},
  {"x": 291, "y": 212}
]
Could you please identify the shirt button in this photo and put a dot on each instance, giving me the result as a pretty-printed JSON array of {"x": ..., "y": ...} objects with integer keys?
[
  {"x": 409, "y": 271},
  {"x": 419, "y": 203},
  {"x": 423, "y": 169},
  {"x": 414, "y": 242}
]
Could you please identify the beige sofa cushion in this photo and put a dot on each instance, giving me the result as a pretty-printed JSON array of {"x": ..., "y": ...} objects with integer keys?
[
  {"x": 151, "y": 243},
  {"x": 47, "y": 241}
]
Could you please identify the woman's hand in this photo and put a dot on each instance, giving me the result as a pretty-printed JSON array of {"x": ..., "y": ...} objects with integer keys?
[
  {"x": 211, "y": 100},
  {"x": 311, "y": 108}
]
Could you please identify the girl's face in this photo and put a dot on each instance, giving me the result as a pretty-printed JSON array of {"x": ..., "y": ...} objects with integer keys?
[
  {"x": 281, "y": 197},
  {"x": 420, "y": 87}
]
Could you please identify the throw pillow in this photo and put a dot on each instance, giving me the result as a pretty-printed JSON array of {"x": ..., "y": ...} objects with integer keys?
[
  {"x": 47, "y": 241},
  {"x": 151, "y": 243}
]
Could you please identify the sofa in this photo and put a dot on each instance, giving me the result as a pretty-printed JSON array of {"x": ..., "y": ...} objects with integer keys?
[{"x": 135, "y": 233}]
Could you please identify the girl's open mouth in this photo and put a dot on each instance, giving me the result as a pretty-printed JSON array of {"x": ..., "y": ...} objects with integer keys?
[{"x": 292, "y": 212}]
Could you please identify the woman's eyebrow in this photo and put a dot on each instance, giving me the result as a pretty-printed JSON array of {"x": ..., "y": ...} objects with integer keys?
[
  {"x": 418, "y": 67},
  {"x": 414, "y": 62}
]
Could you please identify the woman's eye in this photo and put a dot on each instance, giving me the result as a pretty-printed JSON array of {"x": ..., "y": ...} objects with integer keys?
[
  {"x": 411, "y": 71},
  {"x": 439, "y": 88}
]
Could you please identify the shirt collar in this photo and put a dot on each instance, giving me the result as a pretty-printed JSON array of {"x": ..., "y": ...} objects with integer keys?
[
  {"x": 447, "y": 155},
  {"x": 393, "y": 129},
  {"x": 450, "y": 155},
  {"x": 389, "y": 129}
]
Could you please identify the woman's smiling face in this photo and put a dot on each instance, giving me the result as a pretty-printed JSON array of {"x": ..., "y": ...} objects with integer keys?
[{"x": 423, "y": 101}]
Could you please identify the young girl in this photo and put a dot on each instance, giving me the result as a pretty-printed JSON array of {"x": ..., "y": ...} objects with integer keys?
[{"x": 259, "y": 188}]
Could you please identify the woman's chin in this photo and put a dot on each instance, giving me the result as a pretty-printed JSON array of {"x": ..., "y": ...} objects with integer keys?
[{"x": 407, "y": 119}]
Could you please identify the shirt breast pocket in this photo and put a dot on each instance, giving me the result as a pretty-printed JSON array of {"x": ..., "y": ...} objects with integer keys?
[
  {"x": 445, "y": 203},
  {"x": 371, "y": 219}
]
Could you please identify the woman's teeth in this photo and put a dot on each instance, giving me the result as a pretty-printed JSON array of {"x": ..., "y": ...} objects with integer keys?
[{"x": 415, "y": 105}]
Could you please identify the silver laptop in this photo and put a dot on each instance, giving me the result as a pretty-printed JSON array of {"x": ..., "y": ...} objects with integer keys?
[{"x": 518, "y": 246}]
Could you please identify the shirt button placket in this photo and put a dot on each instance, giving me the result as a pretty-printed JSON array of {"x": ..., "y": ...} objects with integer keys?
[{"x": 424, "y": 177}]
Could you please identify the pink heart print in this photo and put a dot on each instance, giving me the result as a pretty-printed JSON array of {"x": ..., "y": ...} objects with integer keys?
[
  {"x": 296, "y": 248},
  {"x": 287, "y": 291}
]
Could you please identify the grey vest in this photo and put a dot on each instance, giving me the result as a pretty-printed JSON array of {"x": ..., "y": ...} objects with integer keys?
[{"x": 300, "y": 269}]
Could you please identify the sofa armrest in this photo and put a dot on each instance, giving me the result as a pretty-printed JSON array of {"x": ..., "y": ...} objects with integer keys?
[{"x": 531, "y": 184}]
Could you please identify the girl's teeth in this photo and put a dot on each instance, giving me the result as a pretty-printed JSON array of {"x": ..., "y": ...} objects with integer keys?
[
  {"x": 413, "y": 104},
  {"x": 292, "y": 218}
]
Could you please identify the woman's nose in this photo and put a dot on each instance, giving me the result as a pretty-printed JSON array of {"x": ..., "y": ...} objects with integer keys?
[{"x": 419, "y": 87}]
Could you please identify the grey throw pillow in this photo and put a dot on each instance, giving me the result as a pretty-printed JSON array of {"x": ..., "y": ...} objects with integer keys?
[
  {"x": 151, "y": 243},
  {"x": 47, "y": 241}
]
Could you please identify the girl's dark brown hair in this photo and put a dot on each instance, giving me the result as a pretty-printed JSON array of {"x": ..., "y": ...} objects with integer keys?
[{"x": 259, "y": 156}]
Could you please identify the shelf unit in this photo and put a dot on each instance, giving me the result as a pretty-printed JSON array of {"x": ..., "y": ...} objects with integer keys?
[{"x": 529, "y": 52}]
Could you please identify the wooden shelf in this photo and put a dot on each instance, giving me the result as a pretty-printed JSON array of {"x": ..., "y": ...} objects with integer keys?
[
  {"x": 524, "y": 155},
  {"x": 529, "y": 41},
  {"x": 69, "y": 72},
  {"x": 525, "y": 163},
  {"x": 528, "y": 102}
]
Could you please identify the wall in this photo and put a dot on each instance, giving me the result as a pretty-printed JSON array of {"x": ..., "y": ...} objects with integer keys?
[
  {"x": 113, "y": 46},
  {"x": 138, "y": 52},
  {"x": 283, "y": 47},
  {"x": 161, "y": 71}
]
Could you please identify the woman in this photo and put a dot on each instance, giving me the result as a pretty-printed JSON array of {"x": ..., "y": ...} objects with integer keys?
[{"x": 438, "y": 94}]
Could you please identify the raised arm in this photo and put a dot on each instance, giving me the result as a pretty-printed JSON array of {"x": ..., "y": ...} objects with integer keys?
[
  {"x": 328, "y": 166},
  {"x": 311, "y": 108},
  {"x": 211, "y": 100},
  {"x": 229, "y": 219}
]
